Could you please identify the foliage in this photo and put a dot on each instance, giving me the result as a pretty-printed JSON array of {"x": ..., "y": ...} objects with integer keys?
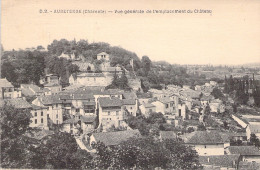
[
  {"x": 23, "y": 66},
  {"x": 119, "y": 82},
  {"x": 14, "y": 145},
  {"x": 146, "y": 153},
  {"x": 217, "y": 93},
  {"x": 256, "y": 96},
  {"x": 254, "y": 140},
  {"x": 201, "y": 127},
  {"x": 61, "y": 67}
]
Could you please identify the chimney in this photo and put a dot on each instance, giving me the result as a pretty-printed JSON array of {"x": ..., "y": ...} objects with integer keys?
[{"x": 208, "y": 159}]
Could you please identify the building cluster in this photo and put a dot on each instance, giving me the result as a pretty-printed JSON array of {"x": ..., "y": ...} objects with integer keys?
[{"x": 87, "y": 109}]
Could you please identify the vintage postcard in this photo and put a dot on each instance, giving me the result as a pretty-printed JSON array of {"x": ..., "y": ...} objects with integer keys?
[{"x": 142, "y": 84}]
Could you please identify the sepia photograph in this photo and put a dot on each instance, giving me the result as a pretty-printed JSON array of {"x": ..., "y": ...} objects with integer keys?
[{"x": 130, "y": 85}]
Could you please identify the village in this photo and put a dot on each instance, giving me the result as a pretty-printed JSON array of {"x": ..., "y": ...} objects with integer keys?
[{"x": 223, "y": 136}]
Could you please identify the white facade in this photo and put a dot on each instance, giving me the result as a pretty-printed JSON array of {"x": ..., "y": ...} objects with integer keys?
[
  {"x": 103, "y": 56},
  {"x": 54, "y": 111},
  {"x": 213, "y": 149},
  {"x": 39, "y": 118}
]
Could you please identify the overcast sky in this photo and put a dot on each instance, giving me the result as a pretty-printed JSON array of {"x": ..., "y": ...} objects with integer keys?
[{"x": 230, "y": 35}]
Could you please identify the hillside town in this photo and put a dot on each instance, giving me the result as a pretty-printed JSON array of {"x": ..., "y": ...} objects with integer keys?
[{"x": 108, "y": 105}]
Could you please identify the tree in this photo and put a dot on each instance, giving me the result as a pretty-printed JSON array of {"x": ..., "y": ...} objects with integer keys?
[
  {"x": 256, "y": 96},
  {"x": 146, "y": 64},
  {"x": 254, "y": 140},
  {"x": 103, "y": 158},
  {"x": 14, "y": 145},
  {"x": 156, "y": 118},
  {"x": 217, "y": 93},
  {"x": 61, "y": 152},
  {"x": 201, "y": 127}
]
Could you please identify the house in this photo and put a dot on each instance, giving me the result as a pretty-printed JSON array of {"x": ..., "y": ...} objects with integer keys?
[
  {"x": 165, "y": 105},
  {"x": 111, "y": 112},
  {"x": 103, "y": 56},
  {"x": 39, "y": 118},
  {"x": 31, "y": 90},
  {"x": 180, "y": 111},
  {"x": 205, "y": 142},
  {"x": 130, "y": 105},
  {"x": 71, "y": 125},
  {"x": 253, "y": 128},
  {"x": 39, "y": 114},
  {"x": 7, "y": 90},
  {"x": 54, "y": 107},
  {"x": 222, "y": 162},
  {"x": 53, "y": 87},
  {"x": 113, "y": 138},
  {"x": 147, "y": 108},
  {"x": 88, "y": 123},
  {"x": 217, "y": 106},
  {"x": 50, "y": 78},
  {"x": 245, "y": 165},
  {"x": 90, "y": 79},
  {"x": 247, "y": 153}
]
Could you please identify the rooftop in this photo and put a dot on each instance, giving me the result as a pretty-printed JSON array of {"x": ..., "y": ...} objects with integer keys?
[
  {"x": 244, "y": 150},
  {"x": 129, "y": 101},
  {"x": 110, "y": 102},
  {"x": 219, "y": 160},
  {"x": 50, "y": 99},
  {"x": 204, "y": 137},
  {"x": 115, "y": 138},
  {"x": 5, "y": 83},
  {"x": 19, "y": 103}
]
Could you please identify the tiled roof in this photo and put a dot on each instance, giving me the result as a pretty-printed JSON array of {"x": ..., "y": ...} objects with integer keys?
[
  {"x": 19, "y": 103},
  {"x": 254, "y": 127},
  {"x": 110, "y": 102},
  {"x": 89, "y": 103},
  {"x": 204, "y": 137},
  {"x": 115, "y": 138},
  {"x": 219, "y": 160},
  {"x": 129, "y": 95},
  {"x": 245, "y": 165},
  {"x": 102, "y": 53},
  {"x": 5, "y": 83},
  {"x": 35, "y": 107},
  {"x": 167, "y": 135},
  {"x": 50, "y": 99},
  {"x": 129, "y": 102},
  {"x": 88, "y": 119},
  {"x": 244, "y": 150}
]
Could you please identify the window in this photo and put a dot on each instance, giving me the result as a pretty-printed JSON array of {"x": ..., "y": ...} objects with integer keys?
[
  {"x": 35, "y": 114},
  {"x": 166, "y": 105},
  {"x": 131, "y": 108},
  {"x": 56, "y": 105},
  {"x": 117, "y": 113},
  {"x": 42, "y": 113},
  {"x": 57, "y": 122},
  {"x": 41, "y": 120},
  {"x": 57, "y": 116},
  {"x": 108, "y": 112},
  {"x": 77, "y": 110},
  {"x": 35, "y": 121},
  {"x": 205, "y": 146},
  {"x": 48, "y": 116}
]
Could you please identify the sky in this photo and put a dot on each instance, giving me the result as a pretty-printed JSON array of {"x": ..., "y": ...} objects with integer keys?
[{"x": 228, "y": 35}]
